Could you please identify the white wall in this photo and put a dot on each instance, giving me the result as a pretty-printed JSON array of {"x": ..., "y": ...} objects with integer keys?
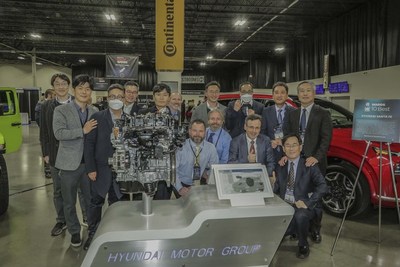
[
  {"x": 383, "y": 83},
  {"x": 20, "y": 75}
]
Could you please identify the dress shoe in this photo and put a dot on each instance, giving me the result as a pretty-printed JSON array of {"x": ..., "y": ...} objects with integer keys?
[
  {"x": 293, "y": 237},
  {"x": 316, "y": 237},
  {"x": 87, "y": 243},
  {"x": 303, "y": 252}
]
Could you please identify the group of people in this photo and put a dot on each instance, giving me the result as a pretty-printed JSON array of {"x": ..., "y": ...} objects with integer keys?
[{"x": 291, "y": 143}]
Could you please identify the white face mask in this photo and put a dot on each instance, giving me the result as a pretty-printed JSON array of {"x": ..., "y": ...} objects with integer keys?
[
  {"x": 246, "y": 98},
  {"x": 115, "y": 104}
]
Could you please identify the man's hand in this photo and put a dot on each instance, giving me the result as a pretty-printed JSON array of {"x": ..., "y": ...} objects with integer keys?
[
  {"x": 272, "y": 179},
  {"x": 89, "y": 125},
  {"x": 184, "y": 191},
  {"x": 237, "y": 105},
  {"x": 92, "y": 176},
  {"x": 251, "y": 158},
  {"x": 46, "y": 159},
  {"x": 311, "y": 161},
  {"x": 300, "y": 204},
  {"x": 282, "y": 161},
  {"x": 250, "y": 112}
]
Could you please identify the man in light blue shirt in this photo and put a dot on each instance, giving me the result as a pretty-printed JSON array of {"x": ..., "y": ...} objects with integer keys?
[
  {"x": 218, "y": 136},
  {"x": 194, "y": 159}
]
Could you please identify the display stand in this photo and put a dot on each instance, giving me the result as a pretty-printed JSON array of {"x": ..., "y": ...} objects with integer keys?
[{"x": 380, "y": 192}]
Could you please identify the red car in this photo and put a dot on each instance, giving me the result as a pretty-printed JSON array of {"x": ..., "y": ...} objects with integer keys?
[{"x": 344, "y": 159}]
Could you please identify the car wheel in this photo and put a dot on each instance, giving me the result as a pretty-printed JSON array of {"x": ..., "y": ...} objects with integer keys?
[
  {"x": 340, "y": 179},
  {"x": 3, "y": 185}
]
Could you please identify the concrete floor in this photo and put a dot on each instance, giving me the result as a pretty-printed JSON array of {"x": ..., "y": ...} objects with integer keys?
[{"x": 25, "y": 229}]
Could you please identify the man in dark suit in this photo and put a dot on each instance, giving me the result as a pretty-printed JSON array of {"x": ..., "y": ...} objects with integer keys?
[
  {"x": 131, "y": 98},
  {"x": 274, "y": 116},
  {"x": 313, "y": 124},
  {"x": 251, "y": 146},
  {"x": 238, "y": 110},
  {"x": 301, "y": 186},
  {"x": 98, "y": 149}
]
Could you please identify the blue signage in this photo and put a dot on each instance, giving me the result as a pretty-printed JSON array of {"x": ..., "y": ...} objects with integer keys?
[
  {"x": 334, "y": 88},
  {"x": 377, "y": 120}
]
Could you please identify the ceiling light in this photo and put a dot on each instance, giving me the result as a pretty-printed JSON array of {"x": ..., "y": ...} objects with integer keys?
[
  {"x": 63, "y": 51},
  {"x": 219, "y": 44},
  {"x": 279, "y": 49},
  {"x": 21, "y": 57},
  {"x": 209, "y": 57},
  {"x": 110, "y": 17},
  {"x": 82, "y": 60},
  {"x": 202, "y": 63},
  {"x": 140, "y": 62},
  {"x": 39, "y": 63},
  {"x": 240, "y": 22},
  {"x": 35, "y": 35},
  {"x": 125, "y": 41}
]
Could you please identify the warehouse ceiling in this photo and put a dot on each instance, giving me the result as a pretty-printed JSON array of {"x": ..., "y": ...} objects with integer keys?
[{"x": 76, "y": 30}]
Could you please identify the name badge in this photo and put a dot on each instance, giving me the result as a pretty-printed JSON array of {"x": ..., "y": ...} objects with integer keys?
[
  {"x": 289, "y": 197},
  {"x": 196, "y": 173},
  {"x": 278, "y": 132}
]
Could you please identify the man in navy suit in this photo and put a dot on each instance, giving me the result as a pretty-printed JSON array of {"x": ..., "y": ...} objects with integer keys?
[
  {"x": 301, "y": 186},
  {"x": 251, "y": 146},
  {"x": 131, "y": 106},
  {"x": 274, "y": 117},
  {"x": 98, "y": 149},
  {"x": 238, "y": 110},
  {"x": 314, "y": 125}
]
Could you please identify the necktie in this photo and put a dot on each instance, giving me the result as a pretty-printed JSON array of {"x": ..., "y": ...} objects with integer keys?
[
  {"x": 210, "y": 138},
  {"x": 252, "y": 148},
  {"x": 197, "y": 156},
  {"x": 303, "y": 121},
  {"x": 290, "y": 183},
  {"x": 280, "y": 116}
]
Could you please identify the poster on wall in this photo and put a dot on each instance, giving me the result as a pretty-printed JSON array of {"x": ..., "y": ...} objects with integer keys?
[
  {"x": 122, "y": 67},
  {"x": 377, "y": 120}
]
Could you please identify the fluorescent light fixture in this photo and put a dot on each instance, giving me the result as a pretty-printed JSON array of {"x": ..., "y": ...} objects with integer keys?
[
  {"x": 202, "y": 63},
  {"x": 240, "y": 22},
  {"x": 126, "y": 41},
  {"x": 35, "y": 35},
  {"x": 140, "y": 62},
  {"x": 63, "y": 51},
  {"x": 39, "y": 63},
  {"x": 82, "y": 60},
  {"x": 107, "y": 17},
  {"x": 21, "y": 57},
  {"x": 279, "y": 49},
  {"x": 209, "y": 57},
  {"x": 110, "y": 17},
  {"x": 219, "y": 44}
]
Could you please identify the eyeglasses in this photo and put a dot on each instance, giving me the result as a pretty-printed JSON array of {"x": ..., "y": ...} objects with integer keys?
[
  {"x": 291, "y": 146},
  {"x": 131, "y": 92},
  {"x": 61, "y": 84},
  {"x": 113, "y": 97}
]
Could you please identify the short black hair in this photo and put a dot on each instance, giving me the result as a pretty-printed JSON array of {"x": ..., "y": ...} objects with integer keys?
[
  {"x": 161, "y": 87},
  {"x": 48, "y": 92},
  {"x": 115, "y": 86},
  {"x": 197, "y": 121},
  {"x": 280, "y": 84},
  {"x": 212, "y": 83},
  {"x": 62, "y": 76},
  {"x": 131, "y": 83},
  {"x": 82, "y": 79},
  {"x": 245, "y": 83},
  {"x": 286, "y": 137},
  {"x": 253, "y": 117}
]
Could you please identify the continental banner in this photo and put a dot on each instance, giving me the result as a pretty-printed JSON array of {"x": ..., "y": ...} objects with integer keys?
[{"x": 170, "y": 21}]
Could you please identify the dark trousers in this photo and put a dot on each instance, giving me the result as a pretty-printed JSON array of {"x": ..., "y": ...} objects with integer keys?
[
  {"x": 96, "y": 205},
  {"x": 163, "y": 191},
  {"x": 300, "y": 224}
]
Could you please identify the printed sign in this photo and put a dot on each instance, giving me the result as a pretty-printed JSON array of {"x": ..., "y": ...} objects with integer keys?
[
  {"x": 377, "y": 120},
  {"x": 122, "y": 67}
]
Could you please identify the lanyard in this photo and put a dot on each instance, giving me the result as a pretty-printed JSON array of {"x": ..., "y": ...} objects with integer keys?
[
  {"x": 196, "y": 157},
  {"x": 219, "y": 135}
]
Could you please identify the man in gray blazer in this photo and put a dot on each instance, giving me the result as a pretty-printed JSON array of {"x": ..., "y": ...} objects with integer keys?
[
  {"x": 212, "y": 91},
  {"x": 252, "y": 147},
  {"x": 70, "y": 125}
]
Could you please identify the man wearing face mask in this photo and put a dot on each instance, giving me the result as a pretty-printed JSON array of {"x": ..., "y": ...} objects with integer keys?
[
  {"x": 98, "y": 149},
  {"x": 238, "y": 110}
]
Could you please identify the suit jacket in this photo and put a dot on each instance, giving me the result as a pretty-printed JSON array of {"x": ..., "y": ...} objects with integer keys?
[
  {"x": 98, "y": 149},
  {"x": 68, "y": 130},
  {"x": 308, "y": 180},
  {"x": 238, "y": 151},
  {"x": 201, "y": 112},
  {"x": 269, "y": 122},
  {"x": 234, "y": 120},
  {"x": 318, "y": 133},
  {"x": 135, "y": 109}
]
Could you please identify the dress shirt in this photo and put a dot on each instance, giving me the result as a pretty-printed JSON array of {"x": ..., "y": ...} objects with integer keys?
[
  {"x": 289, "y": 193},
  {"x": 128, "y": 108},
  {"x": 283, "y": 108},
  {"x": 185, "y": 160},
  {"x": 308, "y": 111},
  {"x": 222, "y": 141},
  {"x": 249, "y": 145}
]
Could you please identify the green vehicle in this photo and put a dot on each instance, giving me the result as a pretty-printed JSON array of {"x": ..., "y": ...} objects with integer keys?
[{"x": 10, "y": 137}]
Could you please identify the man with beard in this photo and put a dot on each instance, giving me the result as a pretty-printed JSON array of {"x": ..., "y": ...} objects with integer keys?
[
  {"x": 175, "y": 103},
  {"x": 194, "y": 159},
  {"x": 218, "y": 136}
]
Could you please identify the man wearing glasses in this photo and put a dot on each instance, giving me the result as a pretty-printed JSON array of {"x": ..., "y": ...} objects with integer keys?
[
  {"x": 238, "y": 110},
  {"x": 131, "y": 106},
  {"x": 98, "y": 149},
  {"x": 302, "y": 187}
]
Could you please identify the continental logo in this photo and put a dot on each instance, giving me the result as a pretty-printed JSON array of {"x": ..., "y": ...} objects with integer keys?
[{"x": 169, "y": 47}]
